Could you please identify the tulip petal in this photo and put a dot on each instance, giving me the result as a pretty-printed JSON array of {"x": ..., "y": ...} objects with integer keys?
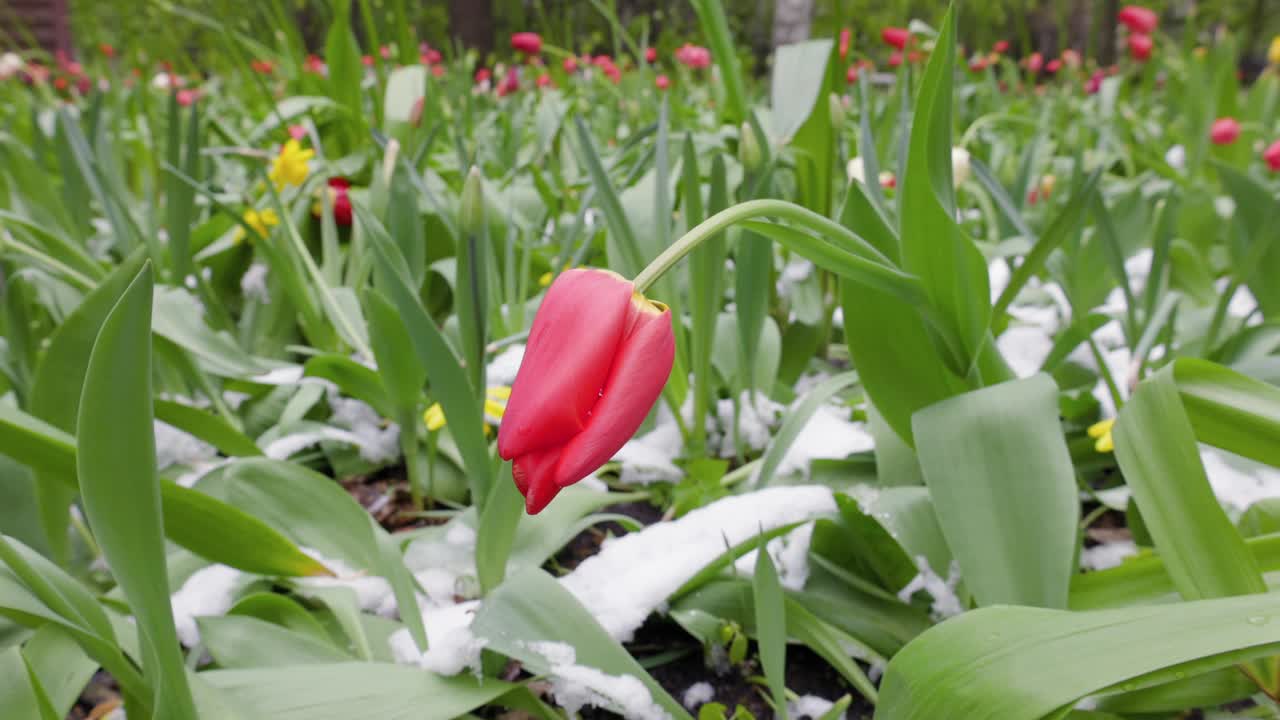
[
  {"x": 571, "y": 347},
  {"x": 639, "y": 372},
  {"x": 534, "y": 475}
]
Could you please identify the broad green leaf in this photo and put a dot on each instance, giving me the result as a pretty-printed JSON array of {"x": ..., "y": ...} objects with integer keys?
[
  {"x": 934, "y": 247},
  {"x": 341, "y": 691},
  {"x": 771, "y": 628},
  {"x": 499, "y": 522},
  {"x": 18, "y": 699},
  {"x": 246, "y": 642},
  {"x": 1156, "y": 449},
  {"x": 1017, "y": 663},
  {"x": 120, "y": 489},
  {"x": 903, "y": 375},
  {"x": 1004, "y": 490},
  {"x": 60, "y": 665},
  {"x": 208, "y": 427},
  {"x": 1229, "y": 410}
]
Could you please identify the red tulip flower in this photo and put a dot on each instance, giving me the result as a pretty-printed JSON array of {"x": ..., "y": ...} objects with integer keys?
[
  {"x": 1224, "y": 131},
  {"x": 896, "y": 37},
  {"x": 851, "y": 75},
  {"x": 978, "y": 64},
  {"x": 1053, "y": 66},
  {"x": 1094, "y": 83},
  {"x": 662, "y": 82},
  {"x": 1140, "y": 46},
  {"x": 1034, "y": 62},
  {"x": 1001, "y": 47},
  {"x": 598, "y": 356},
  {"x": 1272, "y": 156},
  {"x": 895, "y": 59},
  {"x": 544, "y": 80},
  {"x": 693, "y": 56},
  {"x": 366, "y": 60},
  {"x": 1139, "y": 19},
  {"x": 432, "y": 57},
  {"x": 483, "y": 75},
  {"x": 570, "y": 65},
  {"x": 651, "y": 55},
  {"x": 526, "y": 42},
  {"x": 845, "y": 38},
  {"x": 510, "y": 83},
  {"x": 187, "y": 97},
  {"x": 107, "y": 50},
  {"x": 340, "y": 199}
]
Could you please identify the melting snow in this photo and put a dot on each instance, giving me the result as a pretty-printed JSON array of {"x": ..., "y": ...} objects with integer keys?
[
  {"x": 829, "y": 434},
  {"x": 633, "y": 575},
  {"x": 697, "y": 694},
  {"x": 790, "y": 554},
  {"x": 502, "y": 369},
  {"x": 377, "y": 440},
  {"x": 451, "y": 645},
  {"x": 1107, "y": 555},
  {"x": 576, "y": 686},
  {"x": 1238, "y": 482},
  {"x": 208, "y": 591},
  {"x": 945, "y": 601},
  {"x": 254, "y": 283},
  {"x": 810, "y": 706},
  {"x": 178, "y": 447}
]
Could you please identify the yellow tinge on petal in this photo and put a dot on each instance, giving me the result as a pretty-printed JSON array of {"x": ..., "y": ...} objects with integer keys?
[
  {"x": 291, "y": 166},
  {"x": 1101, "y": 431}
]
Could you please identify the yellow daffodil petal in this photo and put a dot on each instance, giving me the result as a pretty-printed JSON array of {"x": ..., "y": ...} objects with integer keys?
[
  {"x": 434, "y": 417},
  {"x": 545, "y": 280},
  {"x": 1273, "y": 54},
  {"x": 1101, "y": 431},
  {"x": 499, "y": 392},
  {"x": 494, "y": 409}
]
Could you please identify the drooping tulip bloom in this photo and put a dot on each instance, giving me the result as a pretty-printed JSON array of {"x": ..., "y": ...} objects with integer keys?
[
  {"x": 1272, "y": 156},
  {"x": 598, "y": 356},
  {"x": 528, "y": 43},
  {"x": 1140, "y": 46},
  {"x": 1224, "y": 131},
  {"x": 896, "y": 37},
  {"x": 846, "y": 37},
  {"x": 1139, "y": 19}
]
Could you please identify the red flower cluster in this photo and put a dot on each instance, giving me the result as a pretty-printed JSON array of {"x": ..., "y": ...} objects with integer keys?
[
  {"x": 526, "y": 42},
  {"x": 895, "y": 36},
  {"x": 1141, "y": 22},
  {"x": 693, "y": 56}
]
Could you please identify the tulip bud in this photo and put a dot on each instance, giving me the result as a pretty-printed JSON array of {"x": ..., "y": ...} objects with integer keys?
[
  {"x": 749, "y": 153},
  {"x": 1271, "y": 156},
  {"x": 471, "y": 207},
  {"x": 598, "y": 356}
]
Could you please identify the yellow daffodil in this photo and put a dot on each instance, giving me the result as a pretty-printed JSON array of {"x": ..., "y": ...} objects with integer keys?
[
  {"x": 260, "y": 220},
  {"x": 495, "y": 405},
  {"x": 290, "y": 166},
  {"x": 1101, "y": 432},
  {"x": 1273, "y": 53},
  {"x": 545, "y": 280}
]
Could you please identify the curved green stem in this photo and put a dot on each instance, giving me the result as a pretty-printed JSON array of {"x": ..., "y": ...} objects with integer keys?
[{"x": 745, "y": 211}]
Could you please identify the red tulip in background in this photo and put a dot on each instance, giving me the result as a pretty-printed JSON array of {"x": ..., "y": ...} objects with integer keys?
[
  {"x": 1001, "y": 47},
  {"x": 693, "y": 56},
  {"x": 851, "y": 75},
  {"x": 1272, "y": 156},
  {"x": 651, "y": 55},
  {"x": 1140, "y": 46},
  {"x": 510, "y": 82},
  {"x": 1224, "y": 131},
  {"x": 1034, "y": 62},
  {"x": 483, "y": 75},
  {"x": 598, "y": 356},
  {"x": 896, "y": 37},
  {"x": 895, "y": 59},
  {"x": 1139, "y": 19},
  {"x": 1053, "y": 66},
  {"x": 544, "y": 80},
  {"x": 845, "y": 38},
  {"x": 662, "y": 82},
  {"x": 570, "y": 64},
  {"x": 1094, "y": 83},
  {"x": 527, "y": 43},
  {"x": 341, "y": 200}
]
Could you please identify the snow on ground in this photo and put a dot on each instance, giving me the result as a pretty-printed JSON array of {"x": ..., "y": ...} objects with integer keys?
[
  {"x": 810, "y": 706},
  {"x": 757, "y": 416},
  {"x": 373, "y": 593},
  {"x": 697, "y": 695},
  {"x": 790, "y": 555},
  {"x": 577, "y": 686},
  {"x": 208, "y": 592},
  {"x": 177, "y": 447},
  {"x": 502, "y": 369},
  {"x": 377, "y": 439},
  {"x": 452, "y": 647},
  {"x": 1238, "y": 482},
  {"x": 945, "y": 601},
  {"x": 633, "y": 575},
  {"x": 1107, "y": 555},
  {"x": 647, "y": 458},
  {"x": 829, "y": 434}
]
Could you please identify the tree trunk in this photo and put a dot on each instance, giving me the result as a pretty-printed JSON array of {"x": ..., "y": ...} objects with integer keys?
[
  {"x": 471, "y": 22},
  {"x": 1107, "y": 26},
  {"x": 791, "y": 20}
]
